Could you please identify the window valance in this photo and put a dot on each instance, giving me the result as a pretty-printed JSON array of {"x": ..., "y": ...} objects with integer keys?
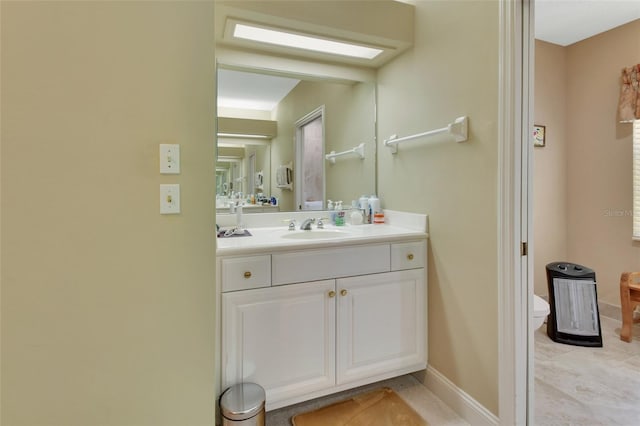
[{"x": 629, "y": 105}]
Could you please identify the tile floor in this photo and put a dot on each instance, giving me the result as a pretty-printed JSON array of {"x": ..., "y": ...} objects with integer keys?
[
  {"x": 576, "y": 385},
  {"x": 421, "y": 399}
]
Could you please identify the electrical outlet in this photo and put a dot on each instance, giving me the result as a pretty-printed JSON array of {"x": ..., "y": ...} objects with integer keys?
[
  {"x": 170, "y": 199},
  {"x": 169, "y": 159}
]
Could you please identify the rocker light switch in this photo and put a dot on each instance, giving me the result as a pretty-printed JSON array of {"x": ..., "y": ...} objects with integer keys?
[
  {"x": 169, "y": 159},
  {"x": 170, "y": 199}
]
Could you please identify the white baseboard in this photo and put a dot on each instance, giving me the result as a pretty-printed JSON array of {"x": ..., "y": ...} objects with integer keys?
[{"x": 459, "y": 401}]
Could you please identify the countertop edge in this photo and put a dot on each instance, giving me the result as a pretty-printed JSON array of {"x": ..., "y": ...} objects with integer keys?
[{"x": 316, "y": 244}]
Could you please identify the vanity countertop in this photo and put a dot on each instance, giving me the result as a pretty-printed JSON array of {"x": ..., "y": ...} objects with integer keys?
[{"x": 399, "y": 226}]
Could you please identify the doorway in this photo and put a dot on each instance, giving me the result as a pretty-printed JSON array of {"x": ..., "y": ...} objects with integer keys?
[{"x": 310, "y": 173}]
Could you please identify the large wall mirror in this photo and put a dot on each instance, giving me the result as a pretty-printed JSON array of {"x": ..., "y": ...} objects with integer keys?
[
  {"x": 318, "y": 96},
  {"x": 269, "y": 169}
]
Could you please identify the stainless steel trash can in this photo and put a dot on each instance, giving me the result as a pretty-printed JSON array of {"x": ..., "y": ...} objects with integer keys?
[{"x": 243, "y": 404}]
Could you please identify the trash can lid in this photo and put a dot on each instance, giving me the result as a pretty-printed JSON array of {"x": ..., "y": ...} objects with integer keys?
[{"x": 242, "y": 401}]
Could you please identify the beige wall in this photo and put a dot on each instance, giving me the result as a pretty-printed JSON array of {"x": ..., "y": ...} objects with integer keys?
[
  {"x": 598, "y": 157},
  {"x": 349, "y": 120},
  {"x": 550, "y": 161},
  {"x": 107, "y": 306},
  {"x": 449, "y": 73}
]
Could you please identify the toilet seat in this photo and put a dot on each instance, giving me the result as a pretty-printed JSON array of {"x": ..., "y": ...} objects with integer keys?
[
  {"x": 540, "y": 311},
  {"x": 540, "y": 307}
]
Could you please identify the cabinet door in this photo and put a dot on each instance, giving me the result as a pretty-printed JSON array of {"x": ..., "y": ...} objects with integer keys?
[
  {"x": 381, "y": 324},
  {"x": 282, "y": 338}
]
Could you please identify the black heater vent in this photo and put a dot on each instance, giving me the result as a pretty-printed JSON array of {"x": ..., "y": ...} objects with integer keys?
[{"x": 574, "y": 318}]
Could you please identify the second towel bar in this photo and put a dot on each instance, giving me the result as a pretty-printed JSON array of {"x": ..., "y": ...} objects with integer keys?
[{"x": 458, "y": 129}]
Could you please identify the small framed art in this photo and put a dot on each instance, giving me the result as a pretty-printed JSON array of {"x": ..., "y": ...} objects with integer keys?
[{"x": 539, "y": 135}]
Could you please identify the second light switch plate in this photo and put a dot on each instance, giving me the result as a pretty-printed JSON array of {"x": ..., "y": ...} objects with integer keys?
[{"x": 169, "y": 198}]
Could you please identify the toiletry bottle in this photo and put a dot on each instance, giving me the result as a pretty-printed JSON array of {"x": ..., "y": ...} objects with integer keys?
[
  {"x": 332, "y": 213},
  {"x": 364, "y": 207},
  {"x": 374, "y": 207},
  {"x": 355, "y": 215},
  {"x": 339, "y": 214},
  {"x": 378, "y": 214},
  {"x": 239, "y": 224}
]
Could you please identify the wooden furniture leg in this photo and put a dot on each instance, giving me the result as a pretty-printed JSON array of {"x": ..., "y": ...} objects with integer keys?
[{"x": 629, "y": 299}]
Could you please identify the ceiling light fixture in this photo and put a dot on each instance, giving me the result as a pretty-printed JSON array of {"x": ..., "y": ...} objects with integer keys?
[{"x": 307, "y": 42}]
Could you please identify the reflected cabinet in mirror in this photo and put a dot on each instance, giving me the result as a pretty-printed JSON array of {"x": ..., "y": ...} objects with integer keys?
[{"x": 274, "y": 135}]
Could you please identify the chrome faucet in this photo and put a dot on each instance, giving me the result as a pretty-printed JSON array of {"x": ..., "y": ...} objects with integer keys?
[
  {"x": 321, "y": 222},
  {"x": 306, "y": 225}
]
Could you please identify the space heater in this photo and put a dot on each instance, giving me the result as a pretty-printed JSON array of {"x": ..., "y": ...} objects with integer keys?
[{"x": 574, "y": 318}]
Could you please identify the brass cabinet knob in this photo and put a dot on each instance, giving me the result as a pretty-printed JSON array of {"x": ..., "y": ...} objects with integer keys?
[
  {"x": 247, "y": 274},
  {"x": 332, "y": 293},
  {"x": 343, "y": 292},
  {"x": 410, "y": 256}
]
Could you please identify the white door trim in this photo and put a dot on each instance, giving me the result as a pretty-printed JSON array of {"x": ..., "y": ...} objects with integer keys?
[
  {"x": 299, "y": 153},
  {"x": 513, "y": 208},
  {"x": 527, "y": 187}
]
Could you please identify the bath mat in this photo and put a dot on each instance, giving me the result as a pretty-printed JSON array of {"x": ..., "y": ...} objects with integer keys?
[{"x": 381, "y": 407}]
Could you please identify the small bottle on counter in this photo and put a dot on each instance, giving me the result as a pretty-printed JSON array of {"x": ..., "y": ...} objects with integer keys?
[
  {"x": 339, "y": 214},
  {"x": 355, "y": 216},
  {"x": 364, "y": 207},
  {"x": 332, "y": 213},
  {"x": 375, "y": 212}
]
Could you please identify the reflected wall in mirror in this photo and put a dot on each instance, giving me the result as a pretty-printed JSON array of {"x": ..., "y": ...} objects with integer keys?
[
  {"x": 349, "y": 120},
  {"x": 243, "y": 166}
]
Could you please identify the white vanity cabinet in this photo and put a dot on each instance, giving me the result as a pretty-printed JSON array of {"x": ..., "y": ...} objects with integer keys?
[
  {"x": 380, "y": 324},
  {"x": 282, "y": 338},
  {"x": 355, "y": 315}
]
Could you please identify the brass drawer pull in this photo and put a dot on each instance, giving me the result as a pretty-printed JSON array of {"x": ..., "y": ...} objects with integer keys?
[
  {"x": 343, "y": 292},
  {"x": 410, "y": 256},
  {"x": 247, "y": 274},
  {"x": 332, "y": 293}
]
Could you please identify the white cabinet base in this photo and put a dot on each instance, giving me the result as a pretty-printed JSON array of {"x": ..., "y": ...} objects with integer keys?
[
  {"x": 366, "y": 322},
  {"x": 274, "y": 405}
]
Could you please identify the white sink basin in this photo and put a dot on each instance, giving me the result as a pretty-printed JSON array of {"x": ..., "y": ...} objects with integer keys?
[{"x": 314, "y": 235}]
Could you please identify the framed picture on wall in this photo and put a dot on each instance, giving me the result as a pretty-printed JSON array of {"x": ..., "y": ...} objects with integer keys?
[{"x": 539, "y": 135}]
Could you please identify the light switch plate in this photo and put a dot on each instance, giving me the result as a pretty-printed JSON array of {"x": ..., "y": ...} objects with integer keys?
[
  {"x": 169, "y": 198},
  {"x": 169, "y": 159}
]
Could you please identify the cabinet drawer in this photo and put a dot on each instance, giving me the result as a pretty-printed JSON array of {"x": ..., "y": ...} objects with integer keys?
[
  {"x": 312, "y": 265},
  {"x": 408, "y": 255},
  {"x": 242, "y": 273}
]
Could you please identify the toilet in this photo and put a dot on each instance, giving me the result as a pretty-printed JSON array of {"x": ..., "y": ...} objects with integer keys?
[{"x": 540, "y": 311}]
